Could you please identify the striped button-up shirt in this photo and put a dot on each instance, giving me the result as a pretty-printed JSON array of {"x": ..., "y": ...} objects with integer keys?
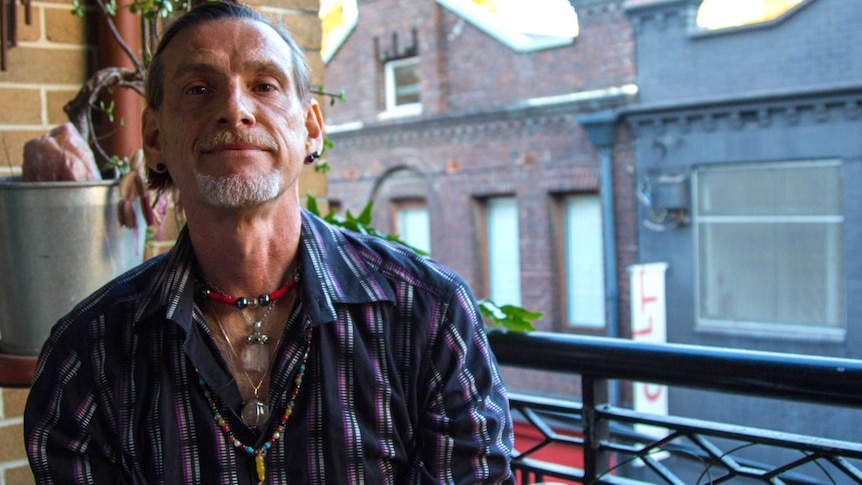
[{"x": 400, "y": 385}]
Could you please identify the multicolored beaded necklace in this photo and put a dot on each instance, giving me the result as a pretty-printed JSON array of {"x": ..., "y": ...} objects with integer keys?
[{"x": 259, "y": 454}]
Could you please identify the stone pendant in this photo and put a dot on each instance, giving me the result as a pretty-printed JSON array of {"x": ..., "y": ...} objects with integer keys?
[
  {"x": 255, "y": 413},
  {"x": 255, "y": 357}
]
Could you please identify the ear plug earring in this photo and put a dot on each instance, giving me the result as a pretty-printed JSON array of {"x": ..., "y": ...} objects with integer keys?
[
  {"x": 161, "y": 168},
  {"x": 311, "y": 158}
]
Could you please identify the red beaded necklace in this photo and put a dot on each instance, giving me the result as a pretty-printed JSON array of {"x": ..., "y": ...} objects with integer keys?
[{"x": 243, "y": 302}]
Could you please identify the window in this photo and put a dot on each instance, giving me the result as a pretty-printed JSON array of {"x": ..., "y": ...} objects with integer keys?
[
  {"x": 402, "y": 86},
  {"x": 503, "y": 251},
  {"x": 413, "y": 226},
  {"x": 770, "y": 248},
  {"x": 583, "y": 257}
]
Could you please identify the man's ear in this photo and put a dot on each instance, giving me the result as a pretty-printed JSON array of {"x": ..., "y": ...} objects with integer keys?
[
  {"x": 151, "y": 135},
  {"x": 314, "y": 127}
]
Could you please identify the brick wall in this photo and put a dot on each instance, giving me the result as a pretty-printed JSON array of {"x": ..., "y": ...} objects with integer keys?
[
  {"x": 475, "y": 139},
  {"x": 54, "y": 55}
]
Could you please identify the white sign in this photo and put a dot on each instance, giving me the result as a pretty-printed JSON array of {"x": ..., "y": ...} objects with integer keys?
[{"x": 649, "y": 325}]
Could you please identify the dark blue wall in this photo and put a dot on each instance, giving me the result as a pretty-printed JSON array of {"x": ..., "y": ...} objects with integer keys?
[
  {"x": 791, "y": 90},
  {"x": 816, "y": 45}
]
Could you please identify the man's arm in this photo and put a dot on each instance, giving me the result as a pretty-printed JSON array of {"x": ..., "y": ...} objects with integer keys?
[
  {"x": 63, "y": 431},
  {"x": 466, "y": 431}
]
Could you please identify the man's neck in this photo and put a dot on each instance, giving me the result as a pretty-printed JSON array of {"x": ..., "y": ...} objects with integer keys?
[{"x": 247, "y": 254}]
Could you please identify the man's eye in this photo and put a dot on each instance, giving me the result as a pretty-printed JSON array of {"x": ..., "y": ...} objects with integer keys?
[
  {"x": 264, "y": 87},
  {"x": 197, "y": 90}
]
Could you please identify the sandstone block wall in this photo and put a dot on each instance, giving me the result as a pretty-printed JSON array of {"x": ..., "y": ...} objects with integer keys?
[{"x": 53, "y": 57}]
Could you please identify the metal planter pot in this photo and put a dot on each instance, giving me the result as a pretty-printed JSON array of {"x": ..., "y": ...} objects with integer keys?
[{"x": 59, "y": 241}]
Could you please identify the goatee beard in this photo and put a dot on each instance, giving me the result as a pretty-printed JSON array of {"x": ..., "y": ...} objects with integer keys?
[{"x": 234, "y": 192}]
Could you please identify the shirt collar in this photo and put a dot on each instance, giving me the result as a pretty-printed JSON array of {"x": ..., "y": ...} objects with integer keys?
[
  {"x": 344, "y": 269},
  {"x": 336, "y": 267},
  {"x": 172, "y": 288}
]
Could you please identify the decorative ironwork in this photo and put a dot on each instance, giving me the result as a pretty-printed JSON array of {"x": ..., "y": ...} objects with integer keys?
[
  {"x": 614, "y": 450},
  {"x": 9, "y": 26}
]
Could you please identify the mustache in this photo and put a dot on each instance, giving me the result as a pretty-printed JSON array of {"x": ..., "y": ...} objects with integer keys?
[{"x": 229, "y": 137}]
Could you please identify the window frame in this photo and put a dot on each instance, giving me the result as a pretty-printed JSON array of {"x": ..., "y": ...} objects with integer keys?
[
  {"x": 390, "y": 88},
  {"x": 564, "y": 277},
  {"x": 400, "y": 205},
  {"x": 485, "y": 204}
]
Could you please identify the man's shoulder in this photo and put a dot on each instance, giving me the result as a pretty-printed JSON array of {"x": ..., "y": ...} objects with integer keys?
[
  {"x": 356, "y": 260},
  {"x": 401, "y": 263},
  {"x": 125, "y": 292}
]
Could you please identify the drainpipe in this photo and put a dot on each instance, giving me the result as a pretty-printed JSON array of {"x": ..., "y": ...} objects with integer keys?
[
  {"x": 601, "y": 128},
  {"x": 125, "y": 131}
]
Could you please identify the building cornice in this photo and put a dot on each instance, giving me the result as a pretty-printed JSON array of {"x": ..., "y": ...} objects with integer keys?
[
  {"x": 546, "y": 111},
  {"x": 761, "y": 108}
]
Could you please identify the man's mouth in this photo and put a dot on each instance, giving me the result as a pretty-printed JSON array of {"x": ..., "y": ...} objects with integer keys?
[
  {"x": 226, "y": 147},
  {"x": 228, "y": 140}
]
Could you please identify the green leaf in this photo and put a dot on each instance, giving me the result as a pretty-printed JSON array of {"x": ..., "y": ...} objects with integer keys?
[
  {"x": 365, "y": 216},
  {"x": 77, "y": 8},
  {"x": 311, "y": 205},
  {"x": 510, "y": 317},
  {"x": 518, "y": 312}
]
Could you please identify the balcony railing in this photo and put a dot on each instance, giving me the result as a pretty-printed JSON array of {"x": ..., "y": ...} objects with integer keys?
[{"x": 605, "y": 436}]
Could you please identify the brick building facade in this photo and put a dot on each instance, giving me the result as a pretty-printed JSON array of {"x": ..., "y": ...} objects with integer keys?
[{"x": 494, "y": 121}]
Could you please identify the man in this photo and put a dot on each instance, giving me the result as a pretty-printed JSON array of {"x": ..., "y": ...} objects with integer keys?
[{"x": 266, "y": 346}]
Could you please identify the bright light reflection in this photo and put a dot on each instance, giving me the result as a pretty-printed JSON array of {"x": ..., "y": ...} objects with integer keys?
[
  {"x": 554, "y": 18},
  {"x": 722, "y": 14},
  {"x": 337, "y": 18}
]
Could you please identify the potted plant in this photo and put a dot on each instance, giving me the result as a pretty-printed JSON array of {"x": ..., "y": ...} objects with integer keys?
[{"x": 61, "y": 221}]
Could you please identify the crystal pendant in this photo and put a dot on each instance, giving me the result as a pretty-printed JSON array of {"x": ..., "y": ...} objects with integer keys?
[
  {"x": 255, "y": 413},
  {"x": 255, "y": 357}
]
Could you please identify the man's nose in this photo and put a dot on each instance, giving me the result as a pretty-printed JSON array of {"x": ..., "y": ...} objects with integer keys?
[{"x": 237, "y": 109}]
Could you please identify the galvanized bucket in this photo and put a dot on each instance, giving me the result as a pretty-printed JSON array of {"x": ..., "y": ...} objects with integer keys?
[{"x": 59, "y": 241}]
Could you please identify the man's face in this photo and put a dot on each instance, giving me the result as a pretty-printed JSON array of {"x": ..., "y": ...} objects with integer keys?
[{"x": 231, "y": 131}]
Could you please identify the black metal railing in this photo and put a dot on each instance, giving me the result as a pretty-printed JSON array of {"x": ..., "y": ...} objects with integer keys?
[{"x": 610, "y": 450}]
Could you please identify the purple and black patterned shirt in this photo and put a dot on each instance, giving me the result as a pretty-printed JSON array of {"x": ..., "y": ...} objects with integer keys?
[{"x": 400, "y": 387}]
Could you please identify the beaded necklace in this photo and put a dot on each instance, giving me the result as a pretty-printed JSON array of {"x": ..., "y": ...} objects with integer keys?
[
  {"x": 255, "y": 355},
  {"x": 259, "y": 453},
  {"x": 242, "y": 302}
]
